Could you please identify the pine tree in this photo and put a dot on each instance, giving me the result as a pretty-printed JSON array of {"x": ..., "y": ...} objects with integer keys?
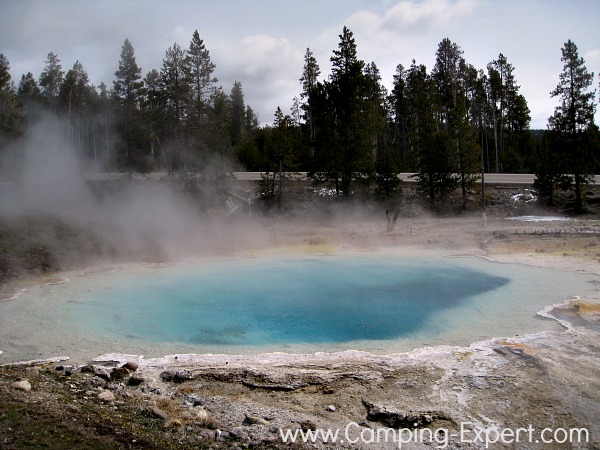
[
  {"x": 351, "y": 102},
  {"x": 430, "y": 144},
  {"x": 176, "y": 89},
  {"x": 128, "y": 89},
  {"x": 28, "y": 87},
  {"x": 11, "y": 113},
  {"x": 454, "y": 81},
  {"x": 50, "y": 81},
  {"x": 510, "y": 116},
  {"x": 128, "y": 83},
  {"x": 153, "y": 109},
  {"x": 220, "y": 118},
  {"x": 30, "y": 96},
  {"x": 75, "y": 99},
  {"x": 572, "y": 126},
  {"x": 202, "y": 82},
  {"x": 238, "y": 114},
  {"x": 401, "y": 113},
  {"x": 309, "y": 79}
]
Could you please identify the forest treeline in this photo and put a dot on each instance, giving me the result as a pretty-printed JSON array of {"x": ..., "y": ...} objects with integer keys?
[{"x": 447, "y": 124}]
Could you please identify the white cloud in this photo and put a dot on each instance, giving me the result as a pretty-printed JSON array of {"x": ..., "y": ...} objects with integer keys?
[
  {"x": 592, "y": 58},
  {"x": 267, "y": 56},
  {"x": 430, "y": 13}
]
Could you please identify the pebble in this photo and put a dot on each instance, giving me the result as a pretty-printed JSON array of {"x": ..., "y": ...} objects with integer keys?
[
  {"x": 136, "y": 379},
  {"x": 130, "y": 365},
  {"x": 254, "y": 420},
  {"x": 22, "y": 385},
  {"x": 32, "y": 372},
  {"x": 106, "y": 397},
  {"x": 173, "y": 423},
  {"x": 331, "y": 408},
  {"x": 209, "y": 435}
]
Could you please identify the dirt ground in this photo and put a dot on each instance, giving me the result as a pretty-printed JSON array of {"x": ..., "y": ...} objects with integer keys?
[{"x": 507, "y": 393}]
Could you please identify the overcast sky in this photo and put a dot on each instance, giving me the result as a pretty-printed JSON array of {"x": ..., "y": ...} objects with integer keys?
[{"x": 262, "y": 43}]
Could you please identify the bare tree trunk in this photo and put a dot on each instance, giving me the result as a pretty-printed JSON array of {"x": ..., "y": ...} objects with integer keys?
[
  {"x": 496, "y": 141},
  {"x": 392, "y": 220}
]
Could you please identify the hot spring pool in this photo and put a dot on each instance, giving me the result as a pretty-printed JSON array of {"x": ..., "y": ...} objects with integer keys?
[{"x": 377, "y": 302}]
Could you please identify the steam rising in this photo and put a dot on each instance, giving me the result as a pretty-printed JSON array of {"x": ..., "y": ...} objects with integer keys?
[{"x": 43, "y": 176}]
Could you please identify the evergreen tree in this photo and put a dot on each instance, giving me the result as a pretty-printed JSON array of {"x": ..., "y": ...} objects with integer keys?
[
  {"x": 220, "y": 126},
  {"x": 104, "y": 128},
  {"x": 351, "y": 102},
  {"x": 401, "y": 116},
  {"x": 201, "y": 81},
  {"x": 76, "y": 99},
  {"x": 128, "y": 84},
  {"x": 127, "y": 90},
  {"x": 309, "y": 79},
  {"x": 430, "y": 145},
  {"x": 153, "y": 109},
  {"x": 51, "y": 80},
  {"x": 283, "y": 143},
  {"x": 573, "y": 133},
  {"x": 446, "y": 76},
  {"x": 238, "y": 114},
  {"x": 176, "y": 90},
  {"x": 326, "y": 143},
  {"x": 30, "y": 96},
  {"x": 11, "y": 113},
  {"x": 28, "y": 87},
  {"x": 510, "y": 117},
  {"x": 453, "y": 79},
  {"x": 377, "y": 109}
]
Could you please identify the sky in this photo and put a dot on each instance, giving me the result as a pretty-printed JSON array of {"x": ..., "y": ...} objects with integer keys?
[{"x": 262, "y": 43}]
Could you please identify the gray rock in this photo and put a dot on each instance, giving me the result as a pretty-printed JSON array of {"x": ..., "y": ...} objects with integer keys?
[
  {"x": 192, "y": 400},
  {"x": 119, "y": 373},
  {"x": 32, "y": 372},
  {"x": 158, "y": 413},
  {"x": 168, "y": 375},
  {"x": 331, "y": 408},
  {"x": 177, "y": 376},
  {"x": 130, "y": 365},
  {"x": 254, "y": 420},
  {"x": 106, "y": 397},
  {"x": 402, "y": 419},
  {"x": 136, "y": 379},
  {"x": 208, "y": 435},
  {"x": 102, "y": 372},
  {"x": 87, "y": 368},
  {"x": 308, "y": 425},
  {"x": 22, "y": 385}
]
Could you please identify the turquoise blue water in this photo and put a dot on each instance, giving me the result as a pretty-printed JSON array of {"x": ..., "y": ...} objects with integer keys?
[
  {"x": 380, "y": 302},
  {"x": 285, "y": 301}
]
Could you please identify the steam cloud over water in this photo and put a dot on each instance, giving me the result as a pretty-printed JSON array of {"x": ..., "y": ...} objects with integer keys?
[{"x": 43, "y": 176}]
